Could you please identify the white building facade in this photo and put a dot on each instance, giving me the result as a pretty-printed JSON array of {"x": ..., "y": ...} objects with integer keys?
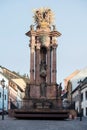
[
  {"x": 84, "y": 100},
  {"x": 5, "y": 93},
  {"x": 79, "y": 96},
  {"x": 13, "y": 91}
]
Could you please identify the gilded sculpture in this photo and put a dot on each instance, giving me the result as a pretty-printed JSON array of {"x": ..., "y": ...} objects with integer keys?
[{"x": 43, "y": 17}]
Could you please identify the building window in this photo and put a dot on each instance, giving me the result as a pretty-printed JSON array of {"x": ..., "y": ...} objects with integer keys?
[
  {"x": 86, "y": 95},
  {"x": 0, "y": 94},
  {"x": 5, "y": 96},
  {"x": 81, "y": 97},
  {"x": 86, "y": 111}
]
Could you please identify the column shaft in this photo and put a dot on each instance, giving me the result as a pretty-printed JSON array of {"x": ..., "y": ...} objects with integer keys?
[
  {"x": 32, "y": 65},
  {"x": 37, "y": 66},
  {"x": 48, "y": 66},
  {"x": 54, "y": 66}
]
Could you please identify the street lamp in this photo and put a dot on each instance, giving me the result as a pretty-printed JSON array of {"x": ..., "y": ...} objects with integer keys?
[
  {"x": 80, "y": 111},
  {"x": 3, "y": 85}
]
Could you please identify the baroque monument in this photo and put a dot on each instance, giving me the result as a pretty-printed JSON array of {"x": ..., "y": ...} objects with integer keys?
[
  {"x": 43, "y": 69},
  {"x": 42, "y": 94}
]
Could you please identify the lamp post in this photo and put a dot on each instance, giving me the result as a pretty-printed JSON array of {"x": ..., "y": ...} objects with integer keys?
[
  {"x": 80, "y": 111},
  {"x": 3, "y": 85}
]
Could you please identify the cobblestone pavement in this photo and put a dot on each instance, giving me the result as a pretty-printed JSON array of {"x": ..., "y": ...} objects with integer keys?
[{"x": 15, "y": 124}]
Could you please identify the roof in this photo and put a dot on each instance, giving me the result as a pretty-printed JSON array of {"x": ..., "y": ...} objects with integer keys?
[
  {"x": 72, "y": 75},
  {"x": 82, "y": 85},
  {"x": 20, "y": 82},
  {"x": 68, "y": 78},
  {"x": 80, "y": 76},
  {"x": 16, "y": 78}
]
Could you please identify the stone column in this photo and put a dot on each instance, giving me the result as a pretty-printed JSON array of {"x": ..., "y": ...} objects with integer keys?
[
  {"x": 32, "y": 64},
  {"x": 32, "y": 58},
  {"x": 48, "y": 66},
  {"x": 54, "y": 64},
  {"x": 37, "y": 67},
  {"x": 35, "y": 64}
]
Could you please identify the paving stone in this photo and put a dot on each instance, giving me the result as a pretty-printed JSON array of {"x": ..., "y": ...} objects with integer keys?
[{"x": 15, "y": 124}]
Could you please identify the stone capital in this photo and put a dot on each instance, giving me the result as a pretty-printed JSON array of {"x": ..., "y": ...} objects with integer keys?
[
  {"x": 54, "y": 46},
  {"x": 32, "y": 49},
  {"x": 38, "y": 46},
  {"x": 54, "y": 40}
]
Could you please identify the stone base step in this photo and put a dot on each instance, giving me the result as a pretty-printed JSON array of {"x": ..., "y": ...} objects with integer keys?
[{"x": 38, "y": 114}]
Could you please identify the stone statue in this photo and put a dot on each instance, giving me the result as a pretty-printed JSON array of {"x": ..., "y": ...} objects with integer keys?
[
  {"x": 56, "y": 90},
  {"x": 43, "y": 15},
  {"x": 60, "y": 89},
  {"x": 39, "y": 16},
  {"x": 27, "y": 91},
  {"x": 43, "y": 65},
  {"x": 54, "y": 27},
  {"x": 46, "y": 16},
  {"x": 31, "y": 27},
  {"x": 43, "y": 89},
  {"x": 43, "y": 68}
]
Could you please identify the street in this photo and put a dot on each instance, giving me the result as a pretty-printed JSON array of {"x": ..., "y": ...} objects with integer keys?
[{"x": 15, "y": 124}]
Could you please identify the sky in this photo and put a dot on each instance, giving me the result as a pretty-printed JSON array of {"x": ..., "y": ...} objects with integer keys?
[{"x": 70, "y": 20}]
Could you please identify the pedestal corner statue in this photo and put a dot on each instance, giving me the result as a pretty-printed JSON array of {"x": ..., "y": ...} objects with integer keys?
[{"x": 42, "y": 95}]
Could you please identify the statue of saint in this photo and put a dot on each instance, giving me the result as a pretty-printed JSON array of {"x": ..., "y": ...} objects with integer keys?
[
  {"x": 44, "y": 16},
  {"x": 31, "y": 27},
  {"x": 43, "y": 65},
  {"x": 60, "y": 89},
  {"x": 27, "y": 91},
  {"x": 43, "y": 68},
  {"x": 43, "y": 89},
  {"x": 56, "y": 90},
  {"x": 39, "y": 16},
  {"x": 54, "y": 27}
]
